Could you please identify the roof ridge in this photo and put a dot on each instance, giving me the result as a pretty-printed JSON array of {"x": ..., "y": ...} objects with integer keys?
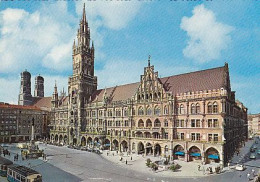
[
  {"x": 165, "y": 77},
  {"x": 194, "y": 72}
]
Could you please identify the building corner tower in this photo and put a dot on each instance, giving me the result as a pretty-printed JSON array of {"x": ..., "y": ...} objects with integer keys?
[
  {"x": 39, "y": 86},
  {"x": 25, "y": 97}
]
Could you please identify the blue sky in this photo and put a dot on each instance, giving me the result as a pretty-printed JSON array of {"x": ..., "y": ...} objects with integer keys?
[{"x": 180, "y": 37}]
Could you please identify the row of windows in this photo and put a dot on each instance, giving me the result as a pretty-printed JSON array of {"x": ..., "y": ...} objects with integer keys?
[
  {"x": 118, "y": 123},
  {"x": 157, "y": 111},
  {"x": 149, "y": 96},
  {"x": 148, "y": 123},
  {"x": 101, "y": 113},
  {"x": 197, "y": 137},
  {"x": 195, "y": 108},
  {"x": 196, "y": 123}
]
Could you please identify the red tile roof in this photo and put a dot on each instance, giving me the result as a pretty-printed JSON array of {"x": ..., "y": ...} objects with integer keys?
[
  {"x": 42, "y": 102},
  {"x": 189, "y": 82},
  {"x": 12, "y": 106},
  {"x": 195, "y": 81}
]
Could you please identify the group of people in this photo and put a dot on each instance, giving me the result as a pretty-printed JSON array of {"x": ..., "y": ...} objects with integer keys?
[
  {"x": 5, "y": 152},
  {"x": 44, "y": 157},
  {"x": 16, "y": 157}
]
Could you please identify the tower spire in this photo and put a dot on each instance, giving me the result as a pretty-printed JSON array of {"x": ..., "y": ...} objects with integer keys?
[
  {"x": 149, "y": 57},
  {"x": 84, "y": 13}
]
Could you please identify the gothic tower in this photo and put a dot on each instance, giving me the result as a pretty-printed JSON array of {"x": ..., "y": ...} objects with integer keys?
[
  {"x": 82, "y": 83},
  {"x": 55, "y": 97},
  {"x": 25, "y": 97},
  {"x": 39, "y": 86}
]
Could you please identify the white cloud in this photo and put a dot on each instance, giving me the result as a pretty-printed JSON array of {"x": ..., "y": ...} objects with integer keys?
[
  {"x": 112, "y": 14},
  {"x": 9, "y": 89},
  {"x": 103, "y": 15},
  {"x": 207, "y": 36},
  {"x": 29, "y": 38}
]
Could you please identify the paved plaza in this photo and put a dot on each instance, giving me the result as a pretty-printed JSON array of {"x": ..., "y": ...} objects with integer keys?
[{"x": 65, "y": 164}]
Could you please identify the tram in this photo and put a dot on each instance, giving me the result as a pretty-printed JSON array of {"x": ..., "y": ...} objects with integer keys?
[
  {"x": 16, "y": 173},
  {"x": 4, "y": 163}
]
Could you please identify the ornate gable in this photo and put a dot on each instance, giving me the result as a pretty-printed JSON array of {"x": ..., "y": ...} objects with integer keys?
[{"x": 150, "y": 87}]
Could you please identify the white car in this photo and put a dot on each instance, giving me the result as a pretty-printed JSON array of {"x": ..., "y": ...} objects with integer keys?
[{"x": 240, "y": 167}]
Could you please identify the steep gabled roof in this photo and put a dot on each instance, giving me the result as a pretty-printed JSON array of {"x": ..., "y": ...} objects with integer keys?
[
  {"x": 189, "y": 82},
  {"x": 117, "y": 93},
  {"x": 195, "y": 81},
  {"x": 42, "y": 102}
]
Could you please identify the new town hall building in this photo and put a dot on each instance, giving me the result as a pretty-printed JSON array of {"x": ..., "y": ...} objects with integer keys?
[{"x": 192, "y": 116}]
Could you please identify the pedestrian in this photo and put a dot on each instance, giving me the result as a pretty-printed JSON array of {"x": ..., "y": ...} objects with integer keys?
[
  {"x": 131, "y": 158},
  {"x": 126, "y": 162},
  {"x": 248, "y": 176},
  {"x": 14, "y": 158},
  {"x": 253, "y": 172},
  {"x": 113, "y": 154},
  {"x": 198, "y": 167}
]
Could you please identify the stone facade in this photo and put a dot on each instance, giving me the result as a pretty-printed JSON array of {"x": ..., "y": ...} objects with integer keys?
[
  {"x": 16, "y": 122},
  {"x": 253, "y": 124},
  {"x": 193, "y": 116}
]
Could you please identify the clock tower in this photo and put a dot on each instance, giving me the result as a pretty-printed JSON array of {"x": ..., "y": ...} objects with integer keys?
[{"x": 82, "y": 83}]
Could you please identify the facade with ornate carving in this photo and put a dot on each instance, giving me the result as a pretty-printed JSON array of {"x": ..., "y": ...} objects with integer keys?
[{"x": 192, "y": 116}]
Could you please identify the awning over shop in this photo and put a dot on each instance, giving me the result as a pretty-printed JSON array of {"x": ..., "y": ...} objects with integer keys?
[
  {"x": 212, "y": 156},
  {"x": 179, "y": 153},
  {"x": 195, "y": 154}
]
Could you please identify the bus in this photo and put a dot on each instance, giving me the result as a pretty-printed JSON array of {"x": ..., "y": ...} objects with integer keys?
[
  {"x": 17, "y": 173},
  {"x": 4, "y": 163}
]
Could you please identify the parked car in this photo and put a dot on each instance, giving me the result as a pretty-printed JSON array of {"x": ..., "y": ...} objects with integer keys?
[
  {"x": 252, "y": 149},
  {"x": 258, "y": 152},
  {"x": 255, "y": 147},
  {"x": 252, "y": 156},
  {"x": 256, "y": 142},
  {"x": 240, "y": 167},
  {"x": 84, "y": 148}
]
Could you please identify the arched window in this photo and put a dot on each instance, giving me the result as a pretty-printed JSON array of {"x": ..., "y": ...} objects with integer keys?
[
  {"x": 149, "y": 111},
  {"x": 155, "y": 96},
  {"x": 133, "y": 111},
  {"x": 215, "y": 107},
  {"x": 166, "y": 123},
  {"x": 210, "y": 107},
  {"x": 193, "y": 109},
  {"x": 140, "y": 111},
  {"x": 157, "y": 111},
  {"x": 157, "y": 123},
  {"x": 140, "y": 123},
  {"x": 197, "y": 108},
  {"x": 138, "y": 97},
  {"x": 182, "y": 110},
  {"x": 165, "y": 111},
  {"x": 148, "y": 123},
  {"x": 125, "y": 112}
]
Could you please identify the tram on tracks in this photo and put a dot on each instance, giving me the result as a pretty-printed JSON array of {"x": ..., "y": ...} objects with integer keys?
[
  {"x": 17, "y": 173},
  {"x": 4, "y": 163}
]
